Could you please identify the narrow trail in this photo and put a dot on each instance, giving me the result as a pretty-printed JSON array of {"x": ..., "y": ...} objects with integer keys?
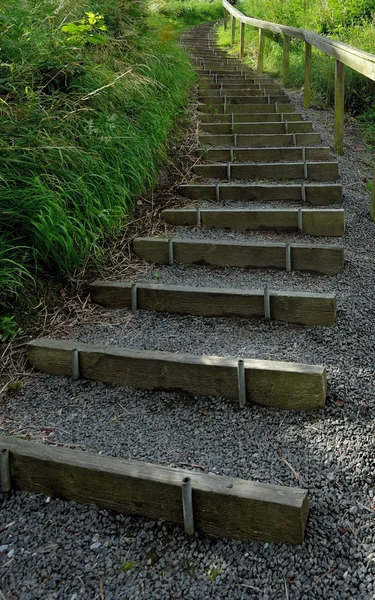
[{"x": 253, "y": 268}]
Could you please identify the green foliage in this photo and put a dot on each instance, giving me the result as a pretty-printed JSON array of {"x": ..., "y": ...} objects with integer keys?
[
  {"x": 128, "y": 565},
  {"x": 8, "y": 329},
  {"x": 84, "y": 128}
]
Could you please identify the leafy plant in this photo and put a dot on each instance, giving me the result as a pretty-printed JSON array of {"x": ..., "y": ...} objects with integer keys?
[
  {"x": 86, "y": 30},
  {"x": 9, "y": 329}
]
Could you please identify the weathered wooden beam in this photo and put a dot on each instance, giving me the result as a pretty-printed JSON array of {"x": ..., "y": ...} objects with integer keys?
[
  {"x": 292, "y": 307},
  {"x": 316, "y": 194},
  {"x": 225, "y": 19},
  {"x": 247, "y": 108},
  {"x": 327, "y": 260},
  {"x": 286, "y": 46},
  {"x": 233, "y": 39},
  {"x": 319, "y": 171},
  {"x": 268, "y": 383},
  {"x": 323, "y": 222},
  {"x": 286, "y": 153},
  {"x": 260, "y": 140},
  {"x": 242, "y": 40},
  {"x": 260, "y": 51},
  {"x": 339, "y": 107},
  {"x": 271, "y": 128},
  {"x": 223, "y": 506},
  {"x": 247, "y": 98},
  {"x": 307, "y": 87}
]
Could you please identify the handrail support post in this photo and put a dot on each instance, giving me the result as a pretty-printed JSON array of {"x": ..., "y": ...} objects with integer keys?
[
  {"x": 339, "y": 106},
  {"x": 260, "y": 51},
  {"x": 307, "y": 88}
]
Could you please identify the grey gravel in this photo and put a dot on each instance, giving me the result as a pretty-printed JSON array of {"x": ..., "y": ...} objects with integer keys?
[{"x": 51, "y": 549}]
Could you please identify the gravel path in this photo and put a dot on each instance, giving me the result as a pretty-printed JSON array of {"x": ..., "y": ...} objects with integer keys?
[{"x": 50, "y": 549}]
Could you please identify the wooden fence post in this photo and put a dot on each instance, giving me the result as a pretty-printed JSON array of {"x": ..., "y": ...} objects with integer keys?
[
  {"x": 260, "y": 51},
  {"x": 372, "y": 208},
  {"x": 233, "y": 30},
  {"x": 225, "y": 19},
  {"x": 286, "y": 59},
  {"x": 307, "y": 92},
  {"x": 339, "y": 106},
  {"x": 242, "y": 40}
]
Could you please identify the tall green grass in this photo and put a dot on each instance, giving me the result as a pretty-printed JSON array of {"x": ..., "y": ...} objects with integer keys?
[
  {"x": 84, "y": 126},
  {"x": 351, "y": 21}
]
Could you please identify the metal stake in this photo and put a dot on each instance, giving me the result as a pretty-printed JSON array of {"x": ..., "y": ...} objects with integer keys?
[
  {"x": 288, "y": 258},
  {"x": 267, "y": 303},
  {"x": 170, "y": 251},
  {"x": 217, "y": 190},
  {"x": 300, "y": 222},
  {"x": 187, "y": 505},
  {"x": 228, "y": 171},
  {"x": 241, "y": 383},
  {"x": 6, "y": 483},
  {"x": 286, "y": 127},
  {"x": 134, "y": 302},
  {"x": 75, "y": 365},
  {"x": 198, "y": 216},
  {"x": 231, "y": 150}
]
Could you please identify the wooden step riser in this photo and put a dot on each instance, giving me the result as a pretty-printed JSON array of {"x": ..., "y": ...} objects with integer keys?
[
  {"x": 324, "y": 260},
  {"x": 238, "y": 100},
  {"x": 265, "y": 154},
  {"x": 279, "y": 107},
  {"x": 230, "y": 87},
  {"x": 260, "y": 117},
  {"x": 267, "y": 383},
  {"x": 320, "y": 171},
  {"x": 290, "y": 307},
  {"x": 253, "y": 128},
  {"x": 307, "y": 222},
  {"x": 318, "y": 195},
  {"x": 239, "y": 92},
  {"x": 223, "y": 506},
  {"x": 260, "y": 140}
]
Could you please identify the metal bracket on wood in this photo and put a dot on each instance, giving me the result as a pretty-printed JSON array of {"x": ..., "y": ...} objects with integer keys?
[
  {"x": 269, "y": 99},
  {"x": 235, "y": 140},
  {"x": 232, "y": 123},
  {"x": 300, "y": 220},
  {"x": 134, "y": 299},
  {"x": 231, "y": 150},
  {"x": 305, "y": 170},
  {"x": 303, "y": 191},
  {"x": 75, "y": 365},
  {"x": 286, "y": 127},
  {"x": 198, "y": 216},
  {"x": 294, "y": 140},
  {"x": 276, "y": 109},
  {"x": 220, "y": 90},
  {"x": 170, "y": 251},
  {"x": 267, "y": 303},
  {"x": 6, "y": 483},
  {"x": 225, "y": 105},
  {"x": 187, "y": 506},
  {"x": 288, "y": 258},
  {"x": 217, "y": 191},
  {"x": 216, "y": 78},
  {"x": 241, "y": 383},
  {"x": 228, "y": 172}
]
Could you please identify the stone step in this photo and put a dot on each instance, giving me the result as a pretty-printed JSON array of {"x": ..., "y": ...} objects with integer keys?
[
  {"x": 315, "y": 194},
  {"x": 291, "y": 307},
  {"x": 305, "y": 221},
  {"x": 324, "y": 260}
]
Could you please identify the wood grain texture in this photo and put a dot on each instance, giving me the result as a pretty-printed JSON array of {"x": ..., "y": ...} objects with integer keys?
[
  {"x": 268, "y": 383},
  {"x": 223, "y": 506},
  {"x": 257, "y": 128},
  {"x": 325, "y": 260},
  {"x": 265, "y": 154},
  {"x": 260, "y": 140},
  {"x": 314, "y": 222},
  {"x": 291, "y": 307},
  {"x": 316, "y": 171}
]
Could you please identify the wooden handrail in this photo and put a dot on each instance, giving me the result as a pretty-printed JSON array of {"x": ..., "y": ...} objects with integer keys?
[{"x": 358, "y": 60}]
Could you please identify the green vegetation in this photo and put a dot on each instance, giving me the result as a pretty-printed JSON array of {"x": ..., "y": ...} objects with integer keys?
[
  {"x": 89, "y": 93},
  {"x": 351, "y": 21}
]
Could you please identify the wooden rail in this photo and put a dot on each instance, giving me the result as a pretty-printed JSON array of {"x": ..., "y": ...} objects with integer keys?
[{"x": 344, "y": 55}]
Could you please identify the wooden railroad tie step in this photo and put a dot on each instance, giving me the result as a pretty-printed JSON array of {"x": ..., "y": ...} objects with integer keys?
[
  {"x": 284, "y": 153},
  {"x": 207, "y": 95},
  {"x": 260, "y": 140},
  {"x": 276, "y": 384},
  {"x": 318, "y": 195},
  {"x": 292, "y": 307},
  {"x": 325, "y": 260},
  {"x": 249, "y": 107},
  {"x": 307, "y": 221},
  {"x": 239, "y": 101},
  {"x": 254, "y": 128},
  {"x": 313, "y": 171},
  {"x": 260, "y": 117},
  {"x": 222, "y": 506}
]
